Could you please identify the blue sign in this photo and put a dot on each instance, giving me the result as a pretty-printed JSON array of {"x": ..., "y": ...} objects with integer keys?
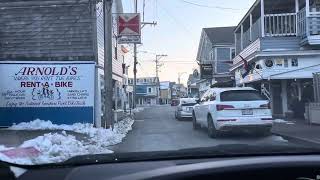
[{"x": 59, "y": 91}]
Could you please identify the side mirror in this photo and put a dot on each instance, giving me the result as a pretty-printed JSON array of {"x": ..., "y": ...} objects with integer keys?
[{"x": 198, "y": 101}]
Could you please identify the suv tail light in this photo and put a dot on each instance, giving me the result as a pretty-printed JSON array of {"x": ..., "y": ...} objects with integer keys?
[
  {"x": 221, "y": 107},
  {"x": 267, "y": 106}
]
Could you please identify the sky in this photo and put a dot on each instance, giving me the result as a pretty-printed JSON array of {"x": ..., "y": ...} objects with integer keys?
[{"x": 177, "y": 33}]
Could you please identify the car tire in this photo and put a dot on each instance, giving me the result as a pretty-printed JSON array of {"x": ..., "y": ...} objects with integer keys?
[
  {"x": 212, "y": 131},
  {"x": 194, "y": 122}
]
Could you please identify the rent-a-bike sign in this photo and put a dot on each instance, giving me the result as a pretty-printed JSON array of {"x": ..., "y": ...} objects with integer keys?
[
  {"x": 59, "y": 91},
  {"x": 129, "y": 28}
]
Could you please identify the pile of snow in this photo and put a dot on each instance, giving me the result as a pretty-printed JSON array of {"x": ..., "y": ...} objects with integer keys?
[
  {"x": 138, "y": 109},
  {"x": 58, "y": 147},
  {"x": 280, "y": 121}
]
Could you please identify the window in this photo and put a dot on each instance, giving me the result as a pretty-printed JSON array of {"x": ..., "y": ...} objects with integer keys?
[
  {"x": 269, "y": 63},
  {"x": 145, "y": 80},
  {"x": 241, "y": 95},
  {"x": 294, "y": 62},
  {"x": 149, "y": 90},
  {"x": 223, "y": 54},
  {"x": 286, "y": 62},
  {"x": 233, "y": 53}
]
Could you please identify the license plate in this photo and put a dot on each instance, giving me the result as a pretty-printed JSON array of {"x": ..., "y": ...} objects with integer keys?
[
  {"x": 247, "y": 112},
  {"x": 190, "y": 109}
]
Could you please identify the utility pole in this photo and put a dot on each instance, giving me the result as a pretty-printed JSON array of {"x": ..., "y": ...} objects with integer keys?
[
  {"x": 135, "y": 56},
  {"x": 158, "y": 57},
  {"x": 135, "y": 63},
  {"x": 108, "y": 113},
  {"x": 179, "y": 81}
]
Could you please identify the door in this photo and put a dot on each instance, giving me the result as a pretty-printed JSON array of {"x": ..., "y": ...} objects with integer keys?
[
  {"x": 276, "y": 99},
  {"x": 204, "y": 107}
]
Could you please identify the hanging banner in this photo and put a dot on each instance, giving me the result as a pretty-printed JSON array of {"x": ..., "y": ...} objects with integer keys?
[{"x": 58, "y": 91}]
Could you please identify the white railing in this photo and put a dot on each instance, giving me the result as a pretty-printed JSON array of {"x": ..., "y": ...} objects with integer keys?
[
  {"x": 302, "y": 31},
  {"x": 280, "y": 24},
  {"x": 308, "y": 25}
]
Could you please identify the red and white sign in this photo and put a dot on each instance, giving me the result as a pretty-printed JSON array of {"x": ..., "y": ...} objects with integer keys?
[{"x": 129, "y": 24}]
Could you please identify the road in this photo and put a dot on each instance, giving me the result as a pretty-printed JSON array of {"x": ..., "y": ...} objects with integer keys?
[{"x": 156, "y": 129}]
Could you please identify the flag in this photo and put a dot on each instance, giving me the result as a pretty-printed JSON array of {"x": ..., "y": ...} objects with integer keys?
[
  {"x": 245, "y": 67},
  {"x": 124, "y": 49}
]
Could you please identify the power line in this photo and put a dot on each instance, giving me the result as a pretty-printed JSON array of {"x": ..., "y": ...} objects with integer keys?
[
  {"x": 176, "y": 21},
  {"x": 212, "y": 7}
]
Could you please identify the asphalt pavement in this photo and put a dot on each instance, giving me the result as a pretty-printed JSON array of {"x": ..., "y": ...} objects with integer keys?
[{"x": 156, "y": 129}]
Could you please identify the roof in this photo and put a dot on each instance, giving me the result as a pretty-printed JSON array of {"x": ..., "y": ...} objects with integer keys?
[{"x": 220, "y": 35}]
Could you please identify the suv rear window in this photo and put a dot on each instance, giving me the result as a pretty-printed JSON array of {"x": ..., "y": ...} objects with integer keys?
[
  {"x": 241, "y": 95},
  {"x": 188, "y": 104}
]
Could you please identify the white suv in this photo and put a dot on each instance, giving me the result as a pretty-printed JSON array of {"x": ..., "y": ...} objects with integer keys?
[{"x": 231, "y": 109}]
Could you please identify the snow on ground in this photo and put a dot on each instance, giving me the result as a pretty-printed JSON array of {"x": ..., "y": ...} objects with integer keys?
[
  {"x": 137, "y": 109},
  {"x": 283, "y": 121},
  {"x": 56, "y": 147}
]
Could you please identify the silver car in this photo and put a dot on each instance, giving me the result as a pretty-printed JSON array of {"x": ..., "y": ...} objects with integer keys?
[{"x": 185, "y": 108}]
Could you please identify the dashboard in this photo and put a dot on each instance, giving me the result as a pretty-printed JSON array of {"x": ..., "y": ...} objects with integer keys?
[{"x": 262, "y": 167}]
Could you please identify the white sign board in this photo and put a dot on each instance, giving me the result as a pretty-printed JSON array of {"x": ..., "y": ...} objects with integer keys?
[
  {"x": 46, "y": 85},
  {"x": 129, "y": 39}
]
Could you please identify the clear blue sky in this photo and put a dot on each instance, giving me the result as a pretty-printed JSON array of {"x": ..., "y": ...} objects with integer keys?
[{"x": 178, "y": 31}]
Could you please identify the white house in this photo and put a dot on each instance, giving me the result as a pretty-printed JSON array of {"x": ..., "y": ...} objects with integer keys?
[
  {"x": 280, "y": 39},
  {"x": 215, "y": 52}
]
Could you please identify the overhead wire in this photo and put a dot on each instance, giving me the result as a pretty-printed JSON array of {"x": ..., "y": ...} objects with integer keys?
[{"x": 212, "y": 7}]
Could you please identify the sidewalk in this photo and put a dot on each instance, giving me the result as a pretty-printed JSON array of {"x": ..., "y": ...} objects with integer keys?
[{"x": 298, "y": 130}]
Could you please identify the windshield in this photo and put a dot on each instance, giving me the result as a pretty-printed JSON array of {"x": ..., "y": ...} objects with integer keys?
[
  {"x": 132, "y": 77},
  {"x": 241, "y": 95}
]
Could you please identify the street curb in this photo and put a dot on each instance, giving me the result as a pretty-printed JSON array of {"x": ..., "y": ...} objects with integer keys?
[{"x": 300, "y": 141}]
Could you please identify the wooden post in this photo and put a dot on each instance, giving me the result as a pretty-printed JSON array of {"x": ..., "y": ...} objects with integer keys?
[
  {"x": 251, "y": 27},
  {"x": 307, "y": 17},
  {"x": 241, "y": 36},
  {"x": 297, "y": 11},
  {"x": 262, "y": 18}
]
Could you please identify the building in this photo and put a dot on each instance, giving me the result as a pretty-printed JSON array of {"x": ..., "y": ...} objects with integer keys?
[
  {"x": 215, "y": 53},
  {"x": 46, "y": 30},
  {"x": 147, "y": 90},
  {"x": 165, "y": 92},
  {"x": 178, "y": 91},
  {"x": 193, "y": 89},
  {"x": 280, "y": 41}
]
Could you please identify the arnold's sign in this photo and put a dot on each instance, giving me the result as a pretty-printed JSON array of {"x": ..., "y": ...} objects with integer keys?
[{"x": 56, "y": 91}]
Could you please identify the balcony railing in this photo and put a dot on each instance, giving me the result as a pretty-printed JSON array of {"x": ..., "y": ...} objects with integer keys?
[
  {"x": 280, "y": 24},
  {"x": 309, "y": 26}
]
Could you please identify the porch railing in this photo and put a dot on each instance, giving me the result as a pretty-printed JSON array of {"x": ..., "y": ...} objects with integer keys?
[
  {"x": 280, "y": 24},
  {"x": 302, "y": 31},
  {"x": 308, "y": 25}
]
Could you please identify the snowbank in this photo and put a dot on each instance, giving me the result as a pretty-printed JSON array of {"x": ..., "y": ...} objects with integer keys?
[
  {"x": 138, "y": 109},
  {"x": 56, "y": 147}
]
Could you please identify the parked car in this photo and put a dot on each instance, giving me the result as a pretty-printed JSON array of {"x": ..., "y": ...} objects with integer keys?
[
  {"x": 174, "y": 102},
  {"x": 232, "y": 109},
  {"x": 185, "y": 108}
]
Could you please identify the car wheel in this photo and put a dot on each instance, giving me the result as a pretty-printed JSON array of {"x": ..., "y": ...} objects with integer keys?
[
  {"x": 212, "y": 131},
  {"x": 194, "y": 122}
]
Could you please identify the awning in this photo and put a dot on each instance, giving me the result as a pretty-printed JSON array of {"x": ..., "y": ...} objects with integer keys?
[{"x": 302, "y": 73}]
